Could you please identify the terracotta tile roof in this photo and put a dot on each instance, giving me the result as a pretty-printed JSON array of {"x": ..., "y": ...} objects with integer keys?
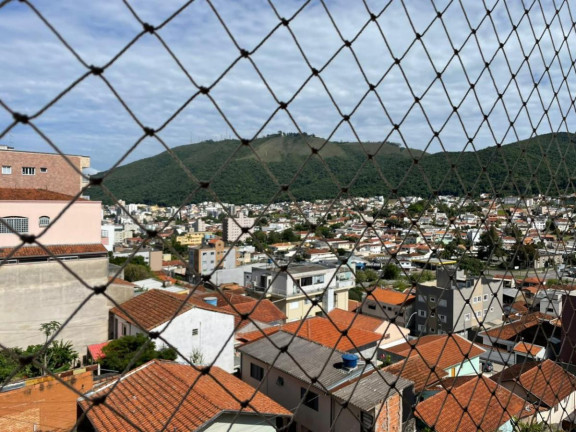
[
  {"x": 96, "y": 350},
  {"x": 438, "y": 350},
  {"x": 416, "y": 370},
  {"x": 353, "y": 305},
  {"x": 57, "y": 250},
  {"x": 363, "y": 322},
  {"x": 264, "y": 311},
  {"x": 389, "y": 296},
  {"x": 548, "y": 382},
  {"x": 321, "y": 331},
  {"x": 148, "y": 395},
  {"x": 528, "y": 348},
  {"x": 511, "y": 330},
  {"x": 487, "y": 406},
  {"x": 155, "y": 307},
  {"x": 33, "y": 195},
  {"x": 519, "y": 306}
]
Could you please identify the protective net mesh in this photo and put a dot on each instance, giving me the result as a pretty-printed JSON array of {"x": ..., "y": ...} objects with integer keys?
[{"x": 397, "y": 115}]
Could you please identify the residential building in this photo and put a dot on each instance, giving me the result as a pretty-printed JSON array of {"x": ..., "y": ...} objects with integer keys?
[
  {"x": 211, "y": 256},
  {"x": 232, "y": 228},
  {"x": 301, "y": 289},
  {"x": 390, "y": 305},
  {"x": 392, "y": 334},
  {"x": 58, "y": 275},
  {"x": 162, "y": 395},
  {"x": 47, "y": 171},
  {"x": 195, "y": 328},
  {"x": 455, "y": 303},
  {"x": 192, "y": 238},
  {"x": 546, "y": 385},
  {"x": 452, "y": 353},
  {"x": 312, "y": 380},
  {"x": 475, "y": 404},
  {"x": 568, "y": 347}
]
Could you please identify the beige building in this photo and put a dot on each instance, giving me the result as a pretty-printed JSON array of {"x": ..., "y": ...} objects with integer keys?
[
  {"x": 211, "y": 256},
  {"x": 232, "y": 228},
  {"x": 192, "y": 238},
  {"x": 295, "y": 290},
  {"x": 49, "y": 171}
]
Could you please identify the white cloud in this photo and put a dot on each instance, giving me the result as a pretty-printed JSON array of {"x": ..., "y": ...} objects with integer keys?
[{"x": 36, "y": 67}]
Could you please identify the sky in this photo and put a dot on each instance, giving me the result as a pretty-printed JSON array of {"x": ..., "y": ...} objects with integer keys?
[{"x": 206, "y": 38}]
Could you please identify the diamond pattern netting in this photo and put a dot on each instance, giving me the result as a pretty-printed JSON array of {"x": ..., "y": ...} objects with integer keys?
[{"x": 514, "y": 66}]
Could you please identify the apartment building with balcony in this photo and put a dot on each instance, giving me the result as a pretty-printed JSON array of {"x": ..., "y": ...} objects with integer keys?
[
  {"x": 456, "y": 303},
  {"x": 48, "y": 171},
  {"x": 295, "y": 289}
]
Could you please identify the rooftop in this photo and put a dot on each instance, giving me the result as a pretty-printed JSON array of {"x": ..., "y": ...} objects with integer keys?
[
  {"x": 145, "y": 397},
  {"x": 52, "y": 250},
  {"x": 33, "y": 195},
  {"x": 390, "y": 296}
]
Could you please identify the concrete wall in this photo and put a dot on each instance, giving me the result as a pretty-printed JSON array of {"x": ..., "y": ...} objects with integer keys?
[
  {"x": 242, "y": 423},
  {"x": 80, "y": 224},
  {"x": 36, "y": 293}
]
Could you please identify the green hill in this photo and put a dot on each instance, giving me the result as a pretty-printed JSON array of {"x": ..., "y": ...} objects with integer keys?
[{"x": 240, "y": 174}]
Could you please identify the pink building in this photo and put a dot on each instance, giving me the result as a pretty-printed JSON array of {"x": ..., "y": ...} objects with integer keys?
[{"x": 37, "y": 212}]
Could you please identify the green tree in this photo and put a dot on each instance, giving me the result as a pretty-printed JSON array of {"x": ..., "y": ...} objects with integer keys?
[
  {"x": 120, "y": 352},
  {"x": 490, "y": 244},
  {"x": 391, "y": 272},
  {"x": 9, "y": 363},
  {"x": 135, "y": 272},
  {"x": 360, "y": 276}
]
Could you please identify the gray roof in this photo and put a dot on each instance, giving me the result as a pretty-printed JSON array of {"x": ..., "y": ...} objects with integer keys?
[
  {"x": 369, "y": 391},
  {"x": 303, "y": 355}
]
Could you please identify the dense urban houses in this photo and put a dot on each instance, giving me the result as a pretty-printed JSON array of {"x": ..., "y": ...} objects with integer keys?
[
  {"x": 57, "y": 273},
  {"x": 323, "y": 387},
  {"x": 389, "y": 304},
  {"x": 199, "y": 331},
  {"x": 300, "y": 290},
  {"x": 48, "y": 171},
  {"x": 175, "y": 397},
  {"x": 212, "y": 255},
  {"x": 455, "y": 303}
]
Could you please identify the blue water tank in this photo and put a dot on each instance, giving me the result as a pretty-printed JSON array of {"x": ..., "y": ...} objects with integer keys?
[
  {"x": 211, "y": 300},
  {"x": 349, "y": 361}
]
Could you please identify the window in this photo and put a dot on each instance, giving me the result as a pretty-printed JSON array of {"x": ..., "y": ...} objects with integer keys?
[
  {"x": 256, "y": 372},
  {"x": 310, "y": 399},
  {"x": 280, "y": 381},
  {"x": 28, "y": 171},
  {"x": 485, "y": 312},
  {"x": 485, "y": 297},
  {"x": 421, "y": 298},
  {"x": 44, "y": 221},
  {"x": 306, "y": 281},
  {"x": 104, "y": 234},
  {"x": 371, "y": 306},
  {"x": 421, "y": 327},
  {"x": 366, "y": 422},
  {"x": 442, "y": 318},
  {"x": 17, "y": 223},
  {"x": 43, "y": 170},
  {"x": 318, "y": 279},
  {"x": 479, "y": 314},
  {"x": 442, "y": 303},
  {"x": 6, "y": 169},
  {"x": 124, "y": 330},
  {"x": 195, "y": 332},
  {"x": 422, "y": 313},
  {"x": 467, "y": 317}
]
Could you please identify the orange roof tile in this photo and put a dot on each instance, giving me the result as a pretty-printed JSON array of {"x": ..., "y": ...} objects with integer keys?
[
  {"x": 144, "y": 399},
  {"x": 438, "y": 350},
  {"x": 390, "y": 296},
  {"x": 527, "y": 348},
  {"x": 96, "y": 350},
  {"x": 415, "y": 369},
  {"x": 155, "y": 307},
  {"x": 33, "y": 195},
  {"x": 56, "y": 250},
  {"x": 479, "y": 404},
  {"x": 549, "y": 382},
  {"x": 321, "y": 331},
  {"x": 263, "y": 311},
  {"x": 344, "y": 319},
  {"x": 511, "y": 330},
  {"x": 118, "y": 281}
]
